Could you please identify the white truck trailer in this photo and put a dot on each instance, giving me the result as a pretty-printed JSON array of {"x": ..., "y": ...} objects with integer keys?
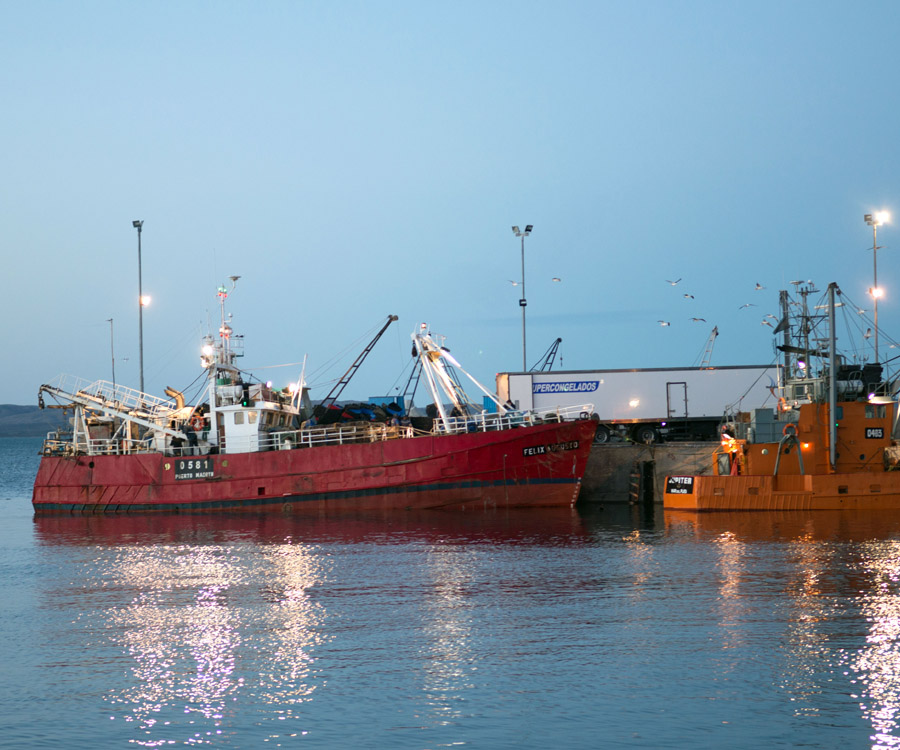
[{"x": 647, "y": 405}]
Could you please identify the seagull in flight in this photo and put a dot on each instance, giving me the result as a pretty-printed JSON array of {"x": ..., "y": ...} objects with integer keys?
[
  {"x": 772, "y": 317},
  {"x": 689, "y": 296},
  {"x": 749, "y": 304},
  {"x": 664, "y": 323},
  {"x": 766, "y": 323},
  {"x": 868, "y": 333},
  {"x": 514, "y": 283},
  {"x": 861, "y": 311},
  {"x": 758, "y": 286},
  {"x": 556, "y": 278},
  {"x": 699, "y": 320},
  {"x": 673, "y": 283}
]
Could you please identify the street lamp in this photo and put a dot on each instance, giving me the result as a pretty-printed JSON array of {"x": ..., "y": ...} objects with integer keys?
[
  {"x": 876, "y": 220},
  {"x": 137, "y": 225},
  {"x": 522, "y": 302},
  {"x": 112, "y": 355}
]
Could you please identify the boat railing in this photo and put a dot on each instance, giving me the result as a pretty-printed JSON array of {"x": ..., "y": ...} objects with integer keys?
[
  {"x": 117, "y": 447},
  {"x": 311, "y": 437},
  {"x": 490, "y": 421},
  {"x": 64, "y": 444},
  {"x": 113, "y": 397}
]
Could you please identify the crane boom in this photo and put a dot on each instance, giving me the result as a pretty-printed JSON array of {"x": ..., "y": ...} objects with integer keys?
[
  {"x": 707, "y": 355},
  {"x": 342, "y": 383},
  {"x": 548, "y": 358}
]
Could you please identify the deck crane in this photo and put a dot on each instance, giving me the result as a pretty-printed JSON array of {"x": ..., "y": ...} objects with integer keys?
[
  {"x": 707, "y": 354},
  {"x": 335, "y": 393},
  {"x": 412, "y": 384},
  {"x": 548, "y": 358}
]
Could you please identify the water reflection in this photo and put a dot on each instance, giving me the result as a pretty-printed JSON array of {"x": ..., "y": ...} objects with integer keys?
[
  {"x": 841, "y": 574},
  {"x": 448, "y": 658},
  {"x": 219, "y": 616},
  {"x": 458, "y": 626},
  {"x": 180, "y": 634},
  {"x": 876, "y": 666},
  {"x": 206, "y": 628}
]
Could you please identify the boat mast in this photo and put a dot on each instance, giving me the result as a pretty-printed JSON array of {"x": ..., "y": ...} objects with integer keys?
[
  {"x": 218, "y": 356},
  {"x": 786, "y": 332},
  {"x": 832, "y": 380},
  {"x": 429, "y": 355}
]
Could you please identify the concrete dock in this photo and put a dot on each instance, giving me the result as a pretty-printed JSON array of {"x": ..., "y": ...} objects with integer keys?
[{"x": 630, "y": 473}]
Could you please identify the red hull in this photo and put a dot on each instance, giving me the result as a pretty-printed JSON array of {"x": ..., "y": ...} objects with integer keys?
[{"x": 529, "y": 466}]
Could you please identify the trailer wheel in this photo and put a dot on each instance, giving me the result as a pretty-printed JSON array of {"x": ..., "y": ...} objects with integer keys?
[
  {"x": 645, "y": 434},
  {"x": 602, "y": 434}
]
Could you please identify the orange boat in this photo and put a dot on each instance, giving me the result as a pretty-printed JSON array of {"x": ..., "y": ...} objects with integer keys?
[{"x": 814, "y": 452}]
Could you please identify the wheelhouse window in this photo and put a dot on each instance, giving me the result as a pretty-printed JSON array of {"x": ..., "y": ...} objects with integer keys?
[{"x": 239, "y": 417}]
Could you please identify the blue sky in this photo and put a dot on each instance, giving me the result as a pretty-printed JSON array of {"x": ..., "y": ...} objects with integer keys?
[{"x": 351, "y": 160}]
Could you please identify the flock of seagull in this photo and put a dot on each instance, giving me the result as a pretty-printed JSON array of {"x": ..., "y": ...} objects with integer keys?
[
  {"x": 768, "y": 319},
  {"x": 758, "y": 287},
  {"x": 516, "y": 283}
]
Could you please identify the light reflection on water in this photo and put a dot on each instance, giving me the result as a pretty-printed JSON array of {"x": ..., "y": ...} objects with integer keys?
[
  {"x": 192, "y": 613},
  {"x": 838, "y": 594},
  {"x": 876, "y": 666},
  {"x": 512, "y": 629}
]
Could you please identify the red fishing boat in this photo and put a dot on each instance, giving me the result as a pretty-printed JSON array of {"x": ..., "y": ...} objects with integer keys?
[{"x": 249, "y": 447}]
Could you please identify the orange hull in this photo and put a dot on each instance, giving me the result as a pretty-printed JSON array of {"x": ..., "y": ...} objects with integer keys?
[
  {"x": 796, "y": 474},
  {"x": 878, "y": 491}
]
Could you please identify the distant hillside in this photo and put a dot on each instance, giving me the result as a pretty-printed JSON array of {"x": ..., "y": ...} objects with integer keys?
[{"x": 28, "y": 421}]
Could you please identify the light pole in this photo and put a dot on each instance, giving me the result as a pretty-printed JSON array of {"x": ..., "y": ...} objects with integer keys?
[
  {"x": 876, "y": 220},
  {"x": 522, "y": 302},
  {"x": 137, "y": 225}
]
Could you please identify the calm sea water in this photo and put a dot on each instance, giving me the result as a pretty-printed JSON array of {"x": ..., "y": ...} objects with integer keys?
[{"x": 585, "y": 629}]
